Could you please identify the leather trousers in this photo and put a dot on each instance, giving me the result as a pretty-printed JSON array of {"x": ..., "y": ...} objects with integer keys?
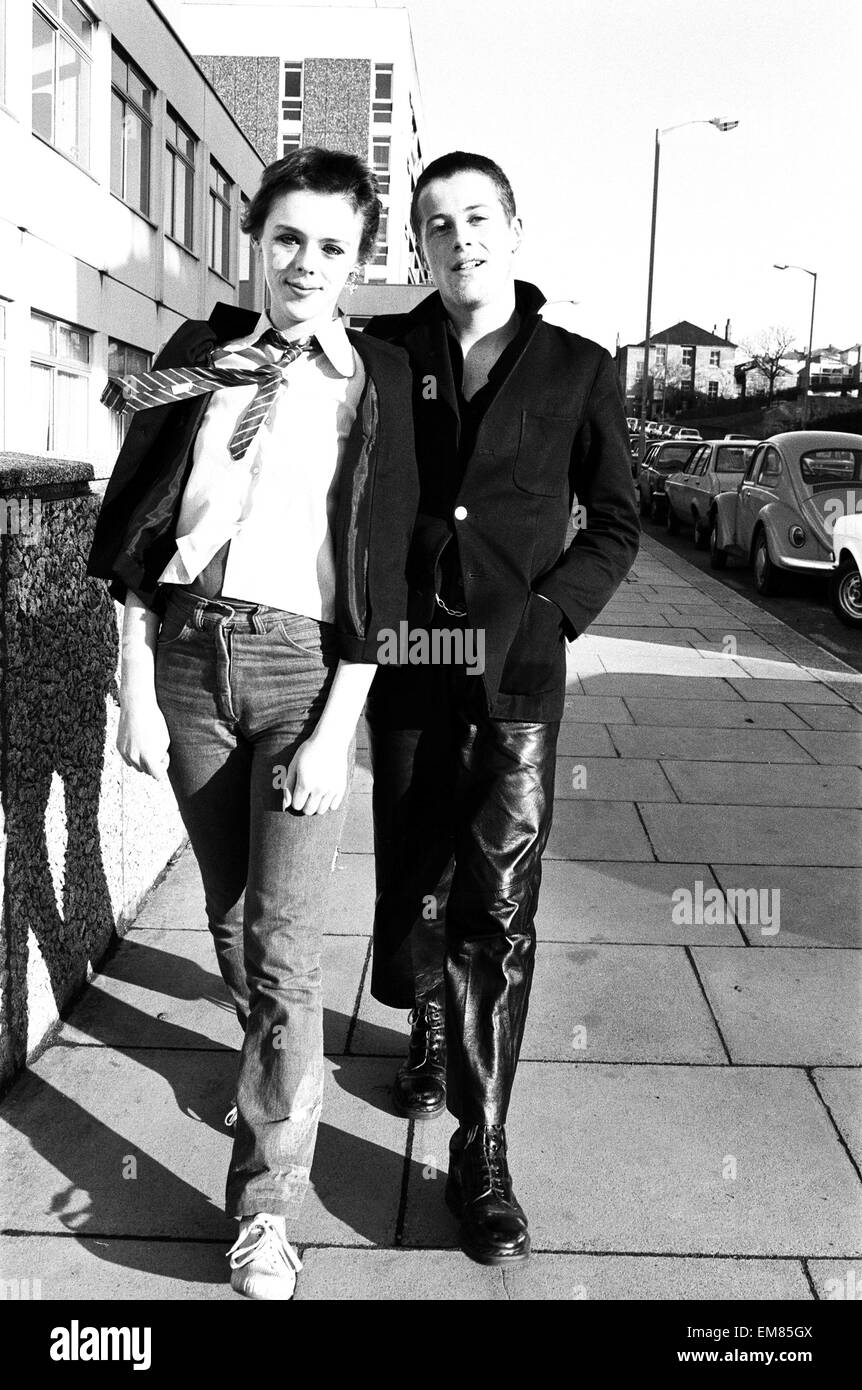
[{"x": 462, "y": 810}]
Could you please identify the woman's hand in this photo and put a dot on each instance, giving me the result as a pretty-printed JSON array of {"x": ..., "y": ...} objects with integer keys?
[
  {"x": 316, "y": 779},
  {"x": 143, "y": 738}
]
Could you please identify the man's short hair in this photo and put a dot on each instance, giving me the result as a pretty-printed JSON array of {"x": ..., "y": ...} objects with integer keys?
[
  {"x": 460, "y": 162},
  {"x": 319, "y": 171}
]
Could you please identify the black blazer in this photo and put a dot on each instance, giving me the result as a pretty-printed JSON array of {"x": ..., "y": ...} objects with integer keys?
[
  {"x": 555, "y": 432},
  {"x": 135, "y": 534}
]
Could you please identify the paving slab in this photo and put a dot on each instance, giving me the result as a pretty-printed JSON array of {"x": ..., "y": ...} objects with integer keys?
[
  {"x": 794, "y": 1007},
  {"x": 435, "y": 1275},
  {"x": 662, "y": 687},
  {"x": 70, "y": 1126},
  {"x": 611, "y": 779},
  {"x": 634, "y": 631},
  {"x": 162, "y": 989},
  {"x": 819, "y": 907},
  {"x": 610, "y": 618},
  {"x": 714, "y": 745},
  {"x": 763, "y": 784},
  {"x": 357, "y": 836},
  {"x": 81, "y": 1269},
  {"x": 744, "y": 644},
  {"x": 585, "y": 740},
  {"x": 841, "y": 1089},
  {"x": 177, "y": 905},
  {"x": 597, "y": 830},
  {"x": 655, "y": 1278},
  {"x": 596, "y": 709},
  {"x": 618, "y": 1004},
  {"x": 350, "y": 909},
  {"x": 840, "y": 748},
  {"x": 624, "y": 903},
  {"x": 663, "y": 660},
  {"x": 640, "y": 1160},
  {"x": 762, "y": 668},
  {"x": 754, "y": 834},
  {"x": 839, "y": 718},
  {"x": 802, "y": 689},
  {"x": 836, "y": 1279},
  {"x": 712, "y": 714}
]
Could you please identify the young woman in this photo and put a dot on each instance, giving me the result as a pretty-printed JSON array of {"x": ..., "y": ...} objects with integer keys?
[{"x": 257, "y": 530}]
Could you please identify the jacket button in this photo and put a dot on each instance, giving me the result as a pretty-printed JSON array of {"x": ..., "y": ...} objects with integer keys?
[{"x": 460, "y": 513}]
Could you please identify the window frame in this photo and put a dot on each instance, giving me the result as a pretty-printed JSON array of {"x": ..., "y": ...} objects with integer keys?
[
  {"x": 120, "y": 421},
  {"x": 381, "y": 106},
  {"x": 60, "y": 29},
  {"x": 58, "y": 365},
  {"x": 219, "y": 200},
  {"x": 146, "y": 120},
  {"x": 686, "y": 360},
  {"x": 174, "y": 156}
]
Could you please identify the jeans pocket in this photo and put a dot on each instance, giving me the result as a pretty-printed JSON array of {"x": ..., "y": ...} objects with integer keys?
[
  {"x": 302, "y": 634},
  {"x": 175, "y": 628}
]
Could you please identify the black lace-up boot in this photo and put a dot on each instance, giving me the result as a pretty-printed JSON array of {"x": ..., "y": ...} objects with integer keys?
[
  {"x": 420, "y": 1086},
  {"x": 479, "y": 1192}
]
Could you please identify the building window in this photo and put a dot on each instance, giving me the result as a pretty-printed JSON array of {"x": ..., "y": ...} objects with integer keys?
[
  {"x": 381, "y": 106},
  {"x": 715, "y": 357},
  {"x": 291, "y": 106},
  {"x": 712, "y": 390},
  {"x": 380, "y": 155},
  {"x": 381, "y": 250},
  {"x": 688, "y": 357},
  {"x": 131, "y": 132},
  {"x": 59, "y": 386},
  {"x": 246, "y": 267},
  {"x": 661, "y": 356},
  {"x": 62, "y": 33},
  {"x": 221, "y": 200},
  {"x": 289, "y": 144},
  {"x": 124, "y": 360},
  {"x": 181, "y": 147}
]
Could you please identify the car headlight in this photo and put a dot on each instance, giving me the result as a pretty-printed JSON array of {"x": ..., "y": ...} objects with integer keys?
[{"x": 797, "y": 536}]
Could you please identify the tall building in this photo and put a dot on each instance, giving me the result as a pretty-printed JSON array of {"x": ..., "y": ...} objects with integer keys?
[
  {"x": 124, "y": 176},
  {"x": 342, "y": 78}
]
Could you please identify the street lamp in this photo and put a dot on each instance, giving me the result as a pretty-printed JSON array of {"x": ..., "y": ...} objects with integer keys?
[
  {"x": 719, "y": 125},
  {"x": 813, "y": 274}
]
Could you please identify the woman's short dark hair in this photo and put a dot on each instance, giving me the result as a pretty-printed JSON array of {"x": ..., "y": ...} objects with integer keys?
[
  {"x": 460, "y": 162},
  {"x": 320, "y": 171}
]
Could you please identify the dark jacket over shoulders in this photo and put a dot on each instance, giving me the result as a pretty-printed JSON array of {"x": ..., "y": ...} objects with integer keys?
[
  {"x": 554, "y": 434},
  {"x": 135, "y": 534}
]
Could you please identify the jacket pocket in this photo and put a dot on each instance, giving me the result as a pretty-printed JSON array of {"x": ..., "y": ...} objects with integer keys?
[
  {"x": 544, "y": 449},
  {"x": 536, "y": 660}
]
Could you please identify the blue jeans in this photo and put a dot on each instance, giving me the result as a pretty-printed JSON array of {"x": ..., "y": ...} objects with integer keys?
[{"x": 241, "y": 686}]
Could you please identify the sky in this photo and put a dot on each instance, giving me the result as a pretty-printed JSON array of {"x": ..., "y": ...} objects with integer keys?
[{"x": 566, "y": 95}]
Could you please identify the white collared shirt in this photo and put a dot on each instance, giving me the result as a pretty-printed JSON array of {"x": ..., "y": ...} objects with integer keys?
[{"x": 276, "y": 505}]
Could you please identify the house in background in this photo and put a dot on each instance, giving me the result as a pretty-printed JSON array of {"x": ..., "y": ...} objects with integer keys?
[{"x": 685, "y": 361}]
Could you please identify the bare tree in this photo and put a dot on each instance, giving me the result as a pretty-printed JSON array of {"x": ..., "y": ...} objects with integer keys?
[{"x": 767, "y": 350}]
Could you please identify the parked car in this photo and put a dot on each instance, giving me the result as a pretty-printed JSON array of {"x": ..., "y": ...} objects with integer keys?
[
  {"x": 745, "y": 437},
  {"x": 846, "y": 581},
  {"x": 713, "y": 468},
  {"x": 686, "y": 432},
  {"x": 782, "y": 514},
  {"x": 662, "y": 459}
]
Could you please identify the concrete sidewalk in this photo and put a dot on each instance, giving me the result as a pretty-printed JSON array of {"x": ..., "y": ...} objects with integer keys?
[{"x": 687, "y": 1120}]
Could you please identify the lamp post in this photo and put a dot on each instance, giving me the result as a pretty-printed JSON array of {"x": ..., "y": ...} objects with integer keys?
[
  {"x": 719, "y": 125},
  {"x": 813, "y": 274}
]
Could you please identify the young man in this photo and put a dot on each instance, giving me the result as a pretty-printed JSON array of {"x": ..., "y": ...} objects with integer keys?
[{"x": 515, "y": 419}]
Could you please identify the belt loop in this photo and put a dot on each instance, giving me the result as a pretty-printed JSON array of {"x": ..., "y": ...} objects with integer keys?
[
  {"x": 257, "y": 622},
  {"x": 198, "y": 616}
]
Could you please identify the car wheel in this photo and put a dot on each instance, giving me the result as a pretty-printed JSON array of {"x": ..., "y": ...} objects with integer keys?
[
  {"x": 717, "y": 556},
  {"x": 766, "y": 576},
  {"x": 671, "y": 521},
  {"x": 701, "y": 533},
  {"x": 846, "y": 593}
]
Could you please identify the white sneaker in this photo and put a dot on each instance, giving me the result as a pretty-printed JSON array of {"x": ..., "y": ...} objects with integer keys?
[{"x": 264, "y": 1265}]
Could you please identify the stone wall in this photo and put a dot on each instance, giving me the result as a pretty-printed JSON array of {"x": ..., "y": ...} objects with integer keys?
[{"x": 82, "y": 837}]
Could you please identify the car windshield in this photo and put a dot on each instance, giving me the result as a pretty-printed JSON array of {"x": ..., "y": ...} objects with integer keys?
[
  {"x": 733, "y": 458},
  {"x": 673, "y": 457},
  {"x": 828, "y": 466}
]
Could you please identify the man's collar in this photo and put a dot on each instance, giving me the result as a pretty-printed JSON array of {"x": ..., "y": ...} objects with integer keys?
[{"x": 528, "y": 301}]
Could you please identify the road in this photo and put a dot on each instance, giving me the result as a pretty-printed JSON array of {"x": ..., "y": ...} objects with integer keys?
[{"x": 804, "y": 605}]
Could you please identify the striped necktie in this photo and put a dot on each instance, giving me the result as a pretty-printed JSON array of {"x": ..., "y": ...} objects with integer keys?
[{"x": 171, "y": 384}]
